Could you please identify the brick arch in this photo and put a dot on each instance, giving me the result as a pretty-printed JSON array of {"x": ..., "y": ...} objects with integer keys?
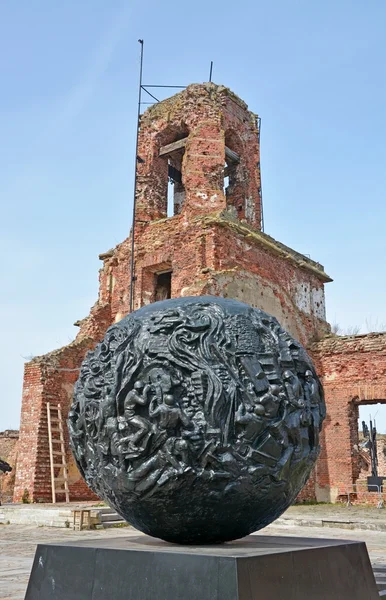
[
  {"x": 172, "y": 165},
  {"x": 237, "y": 191},
  {"x": 234, "y": 141},
  {"x": 172, "y": 132},
  {"x": 152, "y": 168}
]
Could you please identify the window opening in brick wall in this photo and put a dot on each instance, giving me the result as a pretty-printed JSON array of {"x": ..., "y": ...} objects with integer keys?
[
  {"x": 170, "y": 207},
  {"x": 176, "y": 189},
  {"x": 163, "y": 286},
  {"x": 226, "y": 178},
  {"x": 232, "y": 185},
  {"x": 173, "y": 154},
  {"x": 376, "y": 413}
]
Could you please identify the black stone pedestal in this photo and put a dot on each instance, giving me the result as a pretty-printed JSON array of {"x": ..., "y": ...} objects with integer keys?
[{"x": 254, "y": 568}]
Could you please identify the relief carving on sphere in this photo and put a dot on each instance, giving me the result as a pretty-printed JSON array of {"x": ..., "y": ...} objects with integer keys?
[{"x": 195, "y": 393}]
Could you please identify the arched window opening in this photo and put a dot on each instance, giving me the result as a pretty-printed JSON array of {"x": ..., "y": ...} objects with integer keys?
[
  {"x": 172, "y": 154},
  {"x": 170, "y": 200},
  {"x": 176, "y": 189},
  {"x": 226, "y": 178},
  {"x": 233, "y": 186}
]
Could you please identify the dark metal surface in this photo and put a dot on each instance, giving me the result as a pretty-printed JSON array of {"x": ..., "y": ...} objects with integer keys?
[
  {"x": 5, "y": 467},
  {"x": 373, "y": 450},
  {"x": 198, "y": 419},
  {"x": 370, "y": 443},
  {"x": 250, "y": 569}
]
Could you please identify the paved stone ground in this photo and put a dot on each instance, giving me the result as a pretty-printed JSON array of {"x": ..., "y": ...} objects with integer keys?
[
  {"x": 338, "y": 511},
  {"x": 18, "y": 544}
]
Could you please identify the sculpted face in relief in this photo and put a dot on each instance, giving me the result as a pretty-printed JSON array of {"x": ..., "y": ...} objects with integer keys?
[{"x": 198, "y": 419}]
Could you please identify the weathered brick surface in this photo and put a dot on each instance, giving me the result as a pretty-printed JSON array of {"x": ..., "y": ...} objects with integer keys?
[
  {"x": 8, "y": 443},
  {"x": 46, "y": 379},
  {"x": 212, "y": 245},
  {"x": 210, "y": 117},
  {"x": 353, "y": 372},
  {"x": 219, "y": 255},
  {"x": 308, "y": 492}
]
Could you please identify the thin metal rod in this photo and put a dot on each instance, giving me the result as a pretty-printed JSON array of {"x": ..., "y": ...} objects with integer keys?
[
  {"x": 145, "y": 90},
  {"x": 180, "y": 87},
  {"x": 261, "y": 185},
  {"x": 135, "y": 183},
  {"x": 211, "y": 70}
]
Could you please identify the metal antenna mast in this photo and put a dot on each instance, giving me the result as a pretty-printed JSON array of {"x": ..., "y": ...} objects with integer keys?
[
  {"x": 258, "y": 123},
  {"x": 132, "y": 277}
]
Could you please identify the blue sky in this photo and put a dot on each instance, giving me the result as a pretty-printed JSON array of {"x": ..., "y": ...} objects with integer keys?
[{"x": 314, "y": 72}]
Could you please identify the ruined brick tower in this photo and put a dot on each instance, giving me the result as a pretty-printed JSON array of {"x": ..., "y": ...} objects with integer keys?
[
  {"x": 206, "y": 141},
  {"x": 203, "y": 139}
]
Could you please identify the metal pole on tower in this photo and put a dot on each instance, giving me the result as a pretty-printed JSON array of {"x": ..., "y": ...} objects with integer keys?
[{"x": 132, "y": 264}]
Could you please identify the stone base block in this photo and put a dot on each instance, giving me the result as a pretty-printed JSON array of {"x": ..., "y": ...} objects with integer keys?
[{"x": 256, "y": 567}]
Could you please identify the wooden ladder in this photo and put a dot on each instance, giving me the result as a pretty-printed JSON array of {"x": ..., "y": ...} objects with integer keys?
[{"x": 57, "y": 452}]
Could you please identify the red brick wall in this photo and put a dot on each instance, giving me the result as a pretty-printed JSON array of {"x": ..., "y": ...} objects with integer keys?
[
  {"x": 353, "y": 372},
  {"x": 8, "y": 443},
  {"x": 308, "y": 493},
  {"x": 216, "y": 255},
  {"x": 46, "y": 379},
  {"x": 252, "y": 267}
]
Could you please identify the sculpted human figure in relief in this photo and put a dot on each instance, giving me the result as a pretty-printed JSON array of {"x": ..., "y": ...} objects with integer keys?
[{"x": 198, "y": 419}]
